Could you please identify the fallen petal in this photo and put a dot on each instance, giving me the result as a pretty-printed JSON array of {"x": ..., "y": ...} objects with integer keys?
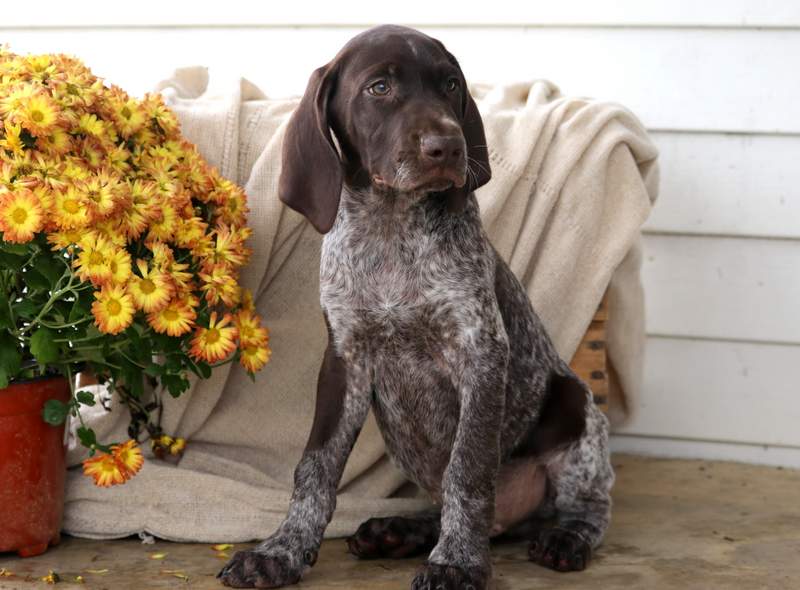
[{"x": 222, "y": 546}]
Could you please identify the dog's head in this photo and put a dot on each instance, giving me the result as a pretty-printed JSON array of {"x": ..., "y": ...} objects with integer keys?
[{"x": 397, "y": 104}]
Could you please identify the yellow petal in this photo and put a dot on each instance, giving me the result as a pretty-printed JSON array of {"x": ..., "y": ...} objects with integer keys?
[
  {"x": 158, "y": 555},
  {"x": 96, "y": 571},
  {"x": 79, "y": 580},
  {"x": 222, "y": 555},
  {"x": 222, "y": 546},
  {"x": 51, "y": 578},
  {"x": 4, "y": 573},
  {"x": 176, "y": 573}
]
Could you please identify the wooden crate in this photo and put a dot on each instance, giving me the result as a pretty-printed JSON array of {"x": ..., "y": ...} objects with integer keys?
[{"x": 590, "y": 362}]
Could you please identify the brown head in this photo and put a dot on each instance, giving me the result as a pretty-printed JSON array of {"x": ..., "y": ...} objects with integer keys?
[{"x": 396, "y": 103}]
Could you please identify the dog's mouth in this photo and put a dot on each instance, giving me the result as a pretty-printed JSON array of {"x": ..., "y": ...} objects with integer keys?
[{"x": 434, "y": 180}]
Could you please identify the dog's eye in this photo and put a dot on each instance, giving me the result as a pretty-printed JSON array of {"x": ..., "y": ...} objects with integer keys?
[
  {"x": 452, "y": 85},
  {"x": 379, "y": 88}
]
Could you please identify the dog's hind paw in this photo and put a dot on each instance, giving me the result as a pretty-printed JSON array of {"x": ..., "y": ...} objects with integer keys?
[
  {"x": 560, "y": 549},
  {"x": 447, "y": 577},
  {"x": 254, "y": 569},
  {"x": 395, "y": 537}
]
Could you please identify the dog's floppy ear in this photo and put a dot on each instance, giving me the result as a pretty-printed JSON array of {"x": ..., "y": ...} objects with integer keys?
[
  {"x": 479, "y": 171},
  {"x": 311, "y": 173}
]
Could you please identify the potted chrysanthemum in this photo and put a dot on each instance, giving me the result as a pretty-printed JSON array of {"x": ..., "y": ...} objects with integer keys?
[{"x": 120, "y": 252}]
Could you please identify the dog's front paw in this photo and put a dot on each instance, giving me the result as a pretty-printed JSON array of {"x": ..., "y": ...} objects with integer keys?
[
  {"x": 432, "y": 576},
  {"x": 265, "y": 569},
  {"x": 560, "y": 549}
]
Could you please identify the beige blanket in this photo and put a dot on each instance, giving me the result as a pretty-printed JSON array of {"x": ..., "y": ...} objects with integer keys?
[{"x": 573, "y": 181}]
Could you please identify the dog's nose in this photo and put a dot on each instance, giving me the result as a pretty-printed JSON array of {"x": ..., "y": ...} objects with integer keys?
[{"x": 441, "y": 149}]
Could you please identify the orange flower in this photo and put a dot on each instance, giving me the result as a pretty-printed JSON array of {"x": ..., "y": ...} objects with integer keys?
[
  {"x": 254, "y": 356},
  {"x": 152, "y": 290},
  {"x": 93, "y": 260},
  {"x": 176, "y": 319},
  {"x": 123, "y": 463},
  {"x": 129, "y": 456},
  {"x": 21, "y": 216},
  {"x": 250, "y": 329},
  {"x": 220, "y": 285},
  {"x": 113, "y": 311},
  {"x": 105, "y": 470},
  {"x": 216, "y": 342},
  {"x": 119, "y": 265},
  {"x": 71, "y": 210}
]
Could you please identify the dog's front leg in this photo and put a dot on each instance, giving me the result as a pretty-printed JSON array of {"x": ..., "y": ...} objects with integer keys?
[
  {"x": 460, "y": 560},
  {"x": 343, "y": 401}
]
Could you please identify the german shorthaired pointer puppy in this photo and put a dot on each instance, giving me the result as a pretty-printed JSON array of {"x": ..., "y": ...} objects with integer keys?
[{"x": 428, "y": 327}]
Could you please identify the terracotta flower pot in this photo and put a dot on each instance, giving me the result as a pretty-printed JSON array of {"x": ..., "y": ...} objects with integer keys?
[{"x": 32, "y": 467}]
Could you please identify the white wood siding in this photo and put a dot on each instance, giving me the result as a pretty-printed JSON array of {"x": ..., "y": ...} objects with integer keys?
[{"x": 717, "y": 84}]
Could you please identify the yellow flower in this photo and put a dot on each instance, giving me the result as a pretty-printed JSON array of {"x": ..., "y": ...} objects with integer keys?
[
  {"x": 90, "y": 125},
  {"x": 247, "y": 303},
  {"x": 56, "y": 143},
  {"x": 64, "y": 239},
  {"x": 37, "y": 113},
  {"x": 152, "y": 290},
  {"x": 93, "y": 260},
  {"x": 99, "y": 191},
  {"x": 105, "y": 470},
  {"x": 113, "y": 311},
  {"x": 129, "y": 456},
  {"x": 216, "y": 342},
  {"x": 250, "y": 329},
  {"x": 12, "y": 140},
  {"x": 127, "y": 113},
  {"x": 177, "y": 447},
  {"x": 119, "y": 265},
  {"x": 176, "y": 319},
  {"x": 70, "y": 209},
  {"x": 253, "y": 357},
  {"x": 21, "y": 216},
  {"x": 220, "y": 285},
  {"x": 163, "y": 226}
]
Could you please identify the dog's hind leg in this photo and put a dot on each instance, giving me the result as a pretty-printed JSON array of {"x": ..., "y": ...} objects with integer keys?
[
  {"x": 579, "y": 484},
  {"x": 395, "y": 536}
]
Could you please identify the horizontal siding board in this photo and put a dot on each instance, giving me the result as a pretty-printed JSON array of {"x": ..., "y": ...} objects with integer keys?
[
  {"x": 728, "y": 184},
  {"x": 719, "y": 391},
  {"x": 705, "y": 80},
  {"x": 712, "y": 451},
  {"x": 728, "y": 13},
  {"x": 723, "y": 288}
]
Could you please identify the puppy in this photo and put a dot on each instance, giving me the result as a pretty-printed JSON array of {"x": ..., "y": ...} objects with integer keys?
[{"x": 428, "y": 327}]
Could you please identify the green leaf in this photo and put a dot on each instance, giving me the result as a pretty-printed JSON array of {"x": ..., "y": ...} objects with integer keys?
[
  {"x": 27, "y": 308},
  {"x": 175, "y": 384},
  {"x": 154, "y": 370},
  {"x": 11, "y": 261},
  {"x": 201, "y": 369},
  {"x": 19, "y": 249},
  {"x": 86, "y": 398},
  {"x": 35, "y": 280},
  {"x": 87, "y": 437},
  {"x": 52, "y": 270},
  {"x": 43, "y": 346},
  {"x": 6, "y": 321},
  {"x": 10, "y": 356},
  {"x": 54, "y": 412}
]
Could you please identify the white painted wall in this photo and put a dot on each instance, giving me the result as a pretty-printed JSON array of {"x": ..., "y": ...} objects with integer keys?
[{"x": 715, "y": 81}]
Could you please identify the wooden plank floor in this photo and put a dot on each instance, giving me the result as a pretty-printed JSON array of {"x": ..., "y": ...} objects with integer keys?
[{"x": 677, "y": 525}]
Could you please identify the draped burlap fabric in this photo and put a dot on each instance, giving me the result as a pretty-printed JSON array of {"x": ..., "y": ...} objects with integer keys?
[{"x": 573, "y": 181}]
